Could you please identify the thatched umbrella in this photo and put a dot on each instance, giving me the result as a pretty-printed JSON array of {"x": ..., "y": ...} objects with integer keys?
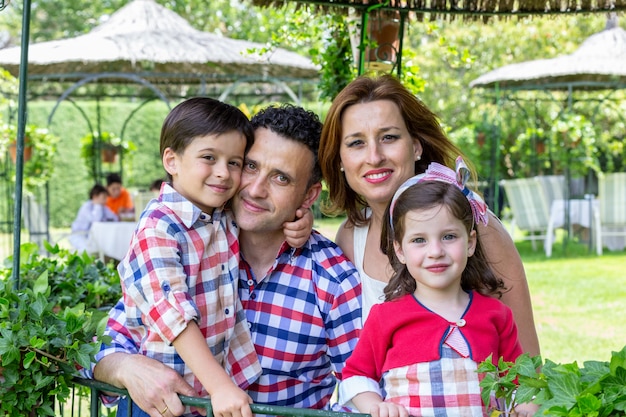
[
  {"x": 146, "y": 38},
  {"x": 465, "y": 9},
  {"x": 599, "y": 63}
]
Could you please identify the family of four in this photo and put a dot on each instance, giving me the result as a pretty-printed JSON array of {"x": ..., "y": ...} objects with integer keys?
[{"x": 229, "y": 293}]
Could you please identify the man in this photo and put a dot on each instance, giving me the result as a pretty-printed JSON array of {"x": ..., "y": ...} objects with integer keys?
[{"x": 302, "y": 305}]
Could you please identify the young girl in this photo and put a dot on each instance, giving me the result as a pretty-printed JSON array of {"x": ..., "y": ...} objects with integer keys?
[
  {"x": 419, "y": 350},
  {"x": 93, "y": 210}
]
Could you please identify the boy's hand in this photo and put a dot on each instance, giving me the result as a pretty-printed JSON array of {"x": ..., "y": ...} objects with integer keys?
[
  {"x": 231, "y": 401},
  {"x": 298, "y": 232}
]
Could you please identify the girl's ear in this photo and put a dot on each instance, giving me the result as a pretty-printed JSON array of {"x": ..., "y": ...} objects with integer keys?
[
  {"x": 471, "y": 243},
  {"x": 397, "y": 247}
]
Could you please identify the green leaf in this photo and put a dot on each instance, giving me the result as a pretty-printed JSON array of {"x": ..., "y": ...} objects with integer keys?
[
  {"x": 589, "y": 405},
  {"x": 41, "y": 284},
  {"x": 28, "y": 359}
]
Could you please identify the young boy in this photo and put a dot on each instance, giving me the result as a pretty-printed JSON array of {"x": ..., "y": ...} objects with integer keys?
[{"x": 179, "y": 276}]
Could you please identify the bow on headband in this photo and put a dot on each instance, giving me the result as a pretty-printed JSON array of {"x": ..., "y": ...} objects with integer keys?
[{"x": 438, "y": 172}]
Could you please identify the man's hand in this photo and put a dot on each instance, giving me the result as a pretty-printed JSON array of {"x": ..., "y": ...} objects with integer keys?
[{"x": 153, "y": 386}]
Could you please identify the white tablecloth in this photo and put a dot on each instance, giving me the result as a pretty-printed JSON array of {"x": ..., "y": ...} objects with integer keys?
[
  {"x": 110, "y": 238},
  {"x": 581, "y": 214}
]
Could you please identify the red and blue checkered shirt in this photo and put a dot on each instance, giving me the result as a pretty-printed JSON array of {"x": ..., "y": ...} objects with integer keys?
[
  {"x": 182, "y": 265},
  {"x": 304, "y": 318}
]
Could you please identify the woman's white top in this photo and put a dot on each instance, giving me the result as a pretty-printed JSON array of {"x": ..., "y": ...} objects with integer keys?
[{"x": 371, "y": 289}]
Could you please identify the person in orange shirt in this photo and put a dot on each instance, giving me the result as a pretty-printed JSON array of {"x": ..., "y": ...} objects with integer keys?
[{"x": 119, "y": 200}]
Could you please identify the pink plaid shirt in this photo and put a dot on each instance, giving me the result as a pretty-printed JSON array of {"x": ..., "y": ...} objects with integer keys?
[{"x": 183, "y": 265}]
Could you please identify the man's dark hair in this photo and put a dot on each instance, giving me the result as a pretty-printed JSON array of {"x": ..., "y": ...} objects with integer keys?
[
  {"x": 295, "y": 123},
  {"x": 113, "y": 178}
]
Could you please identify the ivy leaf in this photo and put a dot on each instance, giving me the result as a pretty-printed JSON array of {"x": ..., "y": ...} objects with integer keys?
[
  {"x": 9, "y": 353},
  {"x": 28, "y": 359},
  {"x": 589, "y": 405},
  {"x": 41, "y": 284}
]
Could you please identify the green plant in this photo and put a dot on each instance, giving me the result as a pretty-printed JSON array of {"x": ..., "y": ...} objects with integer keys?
[
  {"x": 575, "y": 140},
  {"x": 94, "y": 141},
  {"x": 598, "y": 389},
  {"x": 504, "y": 381},
  {"x": 40, "y": 165},
  {"x": 334, "y": 57},
  {"x": 48, "y": 330}
]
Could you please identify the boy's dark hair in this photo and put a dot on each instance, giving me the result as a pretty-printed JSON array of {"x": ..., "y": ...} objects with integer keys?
[
  {"x": 295, "y": 123},
  {"x": 113, "y": 178},
  {"x": 424, "y": 195},
  {"x": 201, "y": 116},
  {"x": 97, "y": 190}
]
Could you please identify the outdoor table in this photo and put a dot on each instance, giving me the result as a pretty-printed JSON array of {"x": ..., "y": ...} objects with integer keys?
[
  {"x": 581, "y": 213},
  {"x": 110, "y": 239}
]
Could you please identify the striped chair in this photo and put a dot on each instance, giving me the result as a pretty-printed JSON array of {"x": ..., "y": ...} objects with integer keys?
[
  {"x": 553, "y": 187},
  {"x": 531, "y": 213},
  {"x": 610, "y": 214}
]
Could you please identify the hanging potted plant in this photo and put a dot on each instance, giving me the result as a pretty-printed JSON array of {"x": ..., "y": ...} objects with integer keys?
[
  {"x": 381, "y": 40},
  {"x": 105, "y": 144},
  {"x": 39, "y": 151}
]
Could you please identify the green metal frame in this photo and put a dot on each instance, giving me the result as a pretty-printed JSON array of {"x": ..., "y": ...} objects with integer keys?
[{"x": 97, "y": 388}]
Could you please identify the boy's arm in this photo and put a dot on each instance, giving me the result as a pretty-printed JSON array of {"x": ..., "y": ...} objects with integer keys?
[
  {"x": 297, "y": 232},
  {"x": 227, "y": 399}
]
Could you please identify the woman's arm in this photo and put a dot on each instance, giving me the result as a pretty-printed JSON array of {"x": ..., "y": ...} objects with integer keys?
[
  {"x": 507, "y": 265},
  {"x": 345, "y": 240}
]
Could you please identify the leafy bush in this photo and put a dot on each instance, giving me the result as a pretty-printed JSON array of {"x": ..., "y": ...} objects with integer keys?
[
  {"x": 598, "y": 389},
  {"x": 49, "y": 326}
]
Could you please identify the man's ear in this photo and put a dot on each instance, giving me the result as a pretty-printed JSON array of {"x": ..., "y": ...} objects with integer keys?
[{"x": 311, "y": 195}]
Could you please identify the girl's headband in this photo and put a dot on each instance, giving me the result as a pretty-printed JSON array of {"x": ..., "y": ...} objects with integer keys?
[{"x": 438, "y": 172}]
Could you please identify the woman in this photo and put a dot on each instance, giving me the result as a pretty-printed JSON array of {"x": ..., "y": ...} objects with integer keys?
[{"x": 377, "y": 135}]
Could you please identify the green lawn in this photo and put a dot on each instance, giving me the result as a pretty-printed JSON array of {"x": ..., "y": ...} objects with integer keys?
[{"x": 579, "y": 299}]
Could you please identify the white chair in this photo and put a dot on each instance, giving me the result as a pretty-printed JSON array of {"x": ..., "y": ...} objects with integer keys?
[
  {"x": 553, "y": 187},
  {"x": 531, "y": 213},
  {"x": 141, "y": 200},
  {"x": 610, "y": 214}
]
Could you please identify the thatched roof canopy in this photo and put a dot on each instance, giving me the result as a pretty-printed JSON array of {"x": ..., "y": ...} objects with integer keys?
[
  {"x": 599, "y": 63},
  {"x": 148, "y": 39},
  {"x": 467, "y": 8}
]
